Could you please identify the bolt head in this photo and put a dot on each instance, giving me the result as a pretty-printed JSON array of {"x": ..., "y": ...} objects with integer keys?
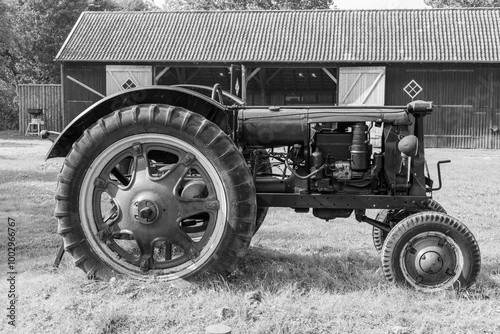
[
  {"x": 146, "y": 212},
  {"x": 144, "y": 264}
]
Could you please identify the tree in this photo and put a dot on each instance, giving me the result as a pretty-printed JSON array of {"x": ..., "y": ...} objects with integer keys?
[
  {"x": 135, "y": 5},
  {"x": 9, "y": 50},
  {"x": 246, "y": 4},
  {"x": 462, "y": 3},
  {"x": 122, "y": 5},
  {"x": 44, "y": 26},
  {"x": 8, "y": 44},
  {"x": 31, "y": 34}
]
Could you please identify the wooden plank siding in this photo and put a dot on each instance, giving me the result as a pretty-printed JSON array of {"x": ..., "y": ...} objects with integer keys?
[
  {"x": 467, "y": 105},
  {"x": 461, "y": 127},
  {"x": 280, "y": 98},
  {"x": 46, "y": 97},
  {"x": 76, "y": 97}
]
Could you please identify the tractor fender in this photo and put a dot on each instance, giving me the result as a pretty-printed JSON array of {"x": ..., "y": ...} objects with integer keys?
[{"x": 170, "y": 95}]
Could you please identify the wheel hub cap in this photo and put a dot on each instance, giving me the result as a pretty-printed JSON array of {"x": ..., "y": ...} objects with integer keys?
[{"x": 431, "y": 262}]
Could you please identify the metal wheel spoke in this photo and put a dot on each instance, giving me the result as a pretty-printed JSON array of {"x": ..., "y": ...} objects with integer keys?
[
  {"x": 112, "y": 189},
  {"x": 107, "y": 185},
  {"x": 146, "y": 258},
  {"x": 180, "y": 238},
  {"x": 140, "y": 171},
  {"x": 188, "y": 207},
  {"x": 127, "y": 254},
  {"x": 177, "y": 173}
]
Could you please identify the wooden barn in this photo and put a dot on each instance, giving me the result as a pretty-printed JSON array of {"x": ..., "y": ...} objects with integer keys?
[{"x": 371, "y": 57}]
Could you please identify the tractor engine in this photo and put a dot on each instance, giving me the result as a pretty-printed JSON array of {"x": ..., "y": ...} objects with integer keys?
[
  {"x": 341, "y": 157},
  {"x": 328, "y": 152}
]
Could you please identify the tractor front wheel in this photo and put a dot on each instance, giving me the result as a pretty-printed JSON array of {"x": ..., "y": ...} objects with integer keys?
[{"x": 431, "y": 251}]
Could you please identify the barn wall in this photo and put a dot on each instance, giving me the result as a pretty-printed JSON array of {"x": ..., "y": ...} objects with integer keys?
[
  {"x": 288, "y": 98},
  {"x": 467, "y": 112},
  {"x": 46, "y": 97},
  {"x": 76, "y": 97}
]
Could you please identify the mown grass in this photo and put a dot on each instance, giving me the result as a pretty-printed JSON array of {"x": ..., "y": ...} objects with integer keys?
[{"x": 301, "y": 275}]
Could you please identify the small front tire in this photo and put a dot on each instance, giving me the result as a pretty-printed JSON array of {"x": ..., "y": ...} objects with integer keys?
[{"x": 431, "y": 251}]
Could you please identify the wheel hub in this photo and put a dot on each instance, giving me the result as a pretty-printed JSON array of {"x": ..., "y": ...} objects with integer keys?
[
  {"x": 146, "y": 211},
  {"x": 431, "y": 262},
  {"x": 431, "y": 259}
]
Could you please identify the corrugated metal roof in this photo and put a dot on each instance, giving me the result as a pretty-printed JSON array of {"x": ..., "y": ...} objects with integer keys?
[{"x": 427, "y": 35}]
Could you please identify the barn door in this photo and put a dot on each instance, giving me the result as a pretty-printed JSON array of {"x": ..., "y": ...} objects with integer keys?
[
  {"x": 121, "y": 77},
  {"x": 362, "y": 86}
]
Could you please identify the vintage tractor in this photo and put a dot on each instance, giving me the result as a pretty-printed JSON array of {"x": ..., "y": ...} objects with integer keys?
[{"x": 168, "y": 182}]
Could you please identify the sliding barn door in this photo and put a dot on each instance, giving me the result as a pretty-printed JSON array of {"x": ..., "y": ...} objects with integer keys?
[{"x": 362, "y": 86}]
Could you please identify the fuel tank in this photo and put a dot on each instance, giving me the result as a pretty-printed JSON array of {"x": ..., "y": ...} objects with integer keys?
[{"x": 286, "y": 126}]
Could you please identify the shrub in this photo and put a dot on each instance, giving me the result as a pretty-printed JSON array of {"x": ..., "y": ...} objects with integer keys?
[{"x": 9, "y": 118}]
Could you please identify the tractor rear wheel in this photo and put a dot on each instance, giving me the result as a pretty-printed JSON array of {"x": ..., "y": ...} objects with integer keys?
[
  {"x": 431, "y": 251},
  {"x": 379, "y": 235},
  {"x": 155, "y": 191}
]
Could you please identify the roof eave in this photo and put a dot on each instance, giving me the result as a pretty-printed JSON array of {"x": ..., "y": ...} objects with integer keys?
[
  {"x": 69, "y": 36},
  {"x": 247, "y": 61}
]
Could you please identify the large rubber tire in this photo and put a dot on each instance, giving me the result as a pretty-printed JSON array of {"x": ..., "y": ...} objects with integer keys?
[
  {"x": 161, "y": 222},
  {"x": 379, "y": 235},
  {"x": 431, "y": 251}
]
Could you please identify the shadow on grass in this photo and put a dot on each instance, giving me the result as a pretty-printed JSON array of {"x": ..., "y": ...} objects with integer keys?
[
  {"x": 272, "y": 271},
  {"x": 337, "y": 271},
  {"x": 269, "y": 271}
]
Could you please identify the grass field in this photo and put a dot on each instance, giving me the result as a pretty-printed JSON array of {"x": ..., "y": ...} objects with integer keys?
[{"x": 301, "y": 274}]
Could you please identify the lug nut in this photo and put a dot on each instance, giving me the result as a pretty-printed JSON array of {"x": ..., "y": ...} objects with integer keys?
[
  {"x": 193, "y": 252},
  {"x": 144, "y": 264}
]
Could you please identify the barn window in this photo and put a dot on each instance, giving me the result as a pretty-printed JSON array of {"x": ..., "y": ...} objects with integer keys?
[
  {"x": 412, "y": 89},
  {"x": 123, "y": 77},
  {"x": 128, "y": 84}
]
